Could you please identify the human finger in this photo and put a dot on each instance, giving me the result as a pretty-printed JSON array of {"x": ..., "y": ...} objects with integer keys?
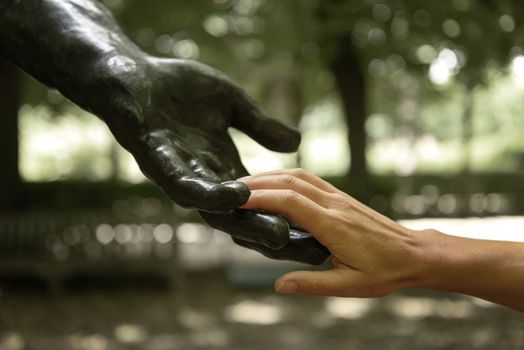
[
  {"x": 249, "y": 118},
  {"x": 289, "y": 182},
  {"x": 304, "y": 176},
  {"x": 334, "y": 282},
  {"x": 300, "y": 209}
]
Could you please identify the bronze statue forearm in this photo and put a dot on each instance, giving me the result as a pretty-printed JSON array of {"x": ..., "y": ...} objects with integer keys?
[
  {"x": 172, "y": 115},
  {"x": 59, "y": 42}
]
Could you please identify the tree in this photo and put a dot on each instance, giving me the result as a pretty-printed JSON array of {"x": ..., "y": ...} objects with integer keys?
[
  {"x": 359, "y": 36},
  {"x": 10, "y": 177},
  {"x": 276, "y": 49}
]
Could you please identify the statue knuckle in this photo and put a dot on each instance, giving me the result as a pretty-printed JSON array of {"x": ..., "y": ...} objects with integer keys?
[
  {"x": 155, "y": 140},
  {"x": 204, "y": 72},
  {"x": 206, "y": 197}
]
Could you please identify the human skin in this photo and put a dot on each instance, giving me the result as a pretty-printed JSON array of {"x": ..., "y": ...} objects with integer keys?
[
  {"x": 172, "y": 115},
  {"x": 374, "y": 256}
]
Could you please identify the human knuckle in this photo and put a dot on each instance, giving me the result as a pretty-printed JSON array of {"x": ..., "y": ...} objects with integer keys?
[
  {"x": 298, "y": 172},
  {"x": 337, "y": 220},
  {"x": 288, "y": 179},
  {"x": 332, "y": 215},
  {"x": 340, "y": 200},
  {"x": 317, "y": 286},
  {"x": 255, "y": 195},
  {"x": 290, "y": 196}
]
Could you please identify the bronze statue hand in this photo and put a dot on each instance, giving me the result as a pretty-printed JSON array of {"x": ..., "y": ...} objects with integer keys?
[
  {"x": 172, "y": 115},
  {"x": 181, "y": 111}
]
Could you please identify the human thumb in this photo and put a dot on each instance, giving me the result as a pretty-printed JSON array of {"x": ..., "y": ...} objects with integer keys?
[{"x": 330, "y": 282}]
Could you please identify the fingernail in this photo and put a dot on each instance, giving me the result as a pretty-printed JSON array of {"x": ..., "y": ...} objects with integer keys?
[{"x": 287, "y": 288}]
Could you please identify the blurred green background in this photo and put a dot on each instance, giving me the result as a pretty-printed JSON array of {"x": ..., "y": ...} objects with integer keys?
[{"x": 414, "y": 107}]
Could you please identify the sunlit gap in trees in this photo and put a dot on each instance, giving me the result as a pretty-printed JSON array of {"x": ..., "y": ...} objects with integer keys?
[
  {"x": 517, "y": 69},
  {"x": 72, "y": 145},
  {"x": 75, "y": 145}
]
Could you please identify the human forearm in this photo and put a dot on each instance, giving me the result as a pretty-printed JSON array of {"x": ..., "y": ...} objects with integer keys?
[{"x": 491, "y": 270}]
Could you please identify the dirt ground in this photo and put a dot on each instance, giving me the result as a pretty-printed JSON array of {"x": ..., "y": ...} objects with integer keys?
[{"x": 206, "y": 311}]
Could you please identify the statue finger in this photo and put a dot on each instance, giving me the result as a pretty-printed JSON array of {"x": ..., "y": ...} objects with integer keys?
[
  {"x": 301, "y": 247},
  {"x": 225, "y": 163},
  {"x": 190, "y": 183},
  {"x": 264, "y": 229},
  {"x": 201, "y": 169},
  {"x": 225, "y": 169},
  {"x": 249, "y": 118}
]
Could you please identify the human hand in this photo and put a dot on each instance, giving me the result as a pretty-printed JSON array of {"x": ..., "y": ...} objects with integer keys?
[
  {"x": 173, "y": 116},
  {"x": 372, "y": 255}
]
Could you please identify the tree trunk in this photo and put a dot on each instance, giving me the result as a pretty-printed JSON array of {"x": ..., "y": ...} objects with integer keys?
[
  {"x": 10, "y": 197},
  {"x": 467, "y": 136},
  {"x": 467, "y": 131},
  {"x": 284, "y": 99},
  {"x": 351, "y": 83}
]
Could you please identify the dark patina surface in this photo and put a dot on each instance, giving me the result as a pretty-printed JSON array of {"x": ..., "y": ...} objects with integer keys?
[{"x": 172, "y": 115}]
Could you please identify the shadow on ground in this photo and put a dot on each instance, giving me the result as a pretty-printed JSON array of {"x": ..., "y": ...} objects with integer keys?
[{"x": 207, "y": 311}]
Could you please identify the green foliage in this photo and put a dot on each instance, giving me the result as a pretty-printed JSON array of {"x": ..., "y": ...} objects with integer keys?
[{"x": 281, "y": 51}]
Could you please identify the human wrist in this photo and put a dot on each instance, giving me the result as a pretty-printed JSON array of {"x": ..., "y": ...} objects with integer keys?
[
  {"x": 444, "y": 259},
  {"x": 412, "y": 262},
  {"x": 485, "y": 269},
  {"x": 426, "y": 260}
]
